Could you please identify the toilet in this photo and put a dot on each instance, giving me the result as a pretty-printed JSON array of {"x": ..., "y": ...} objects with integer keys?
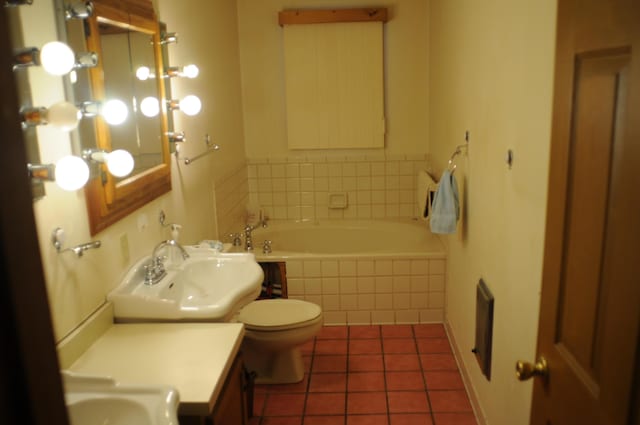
[{"x": 274, "y": 331}]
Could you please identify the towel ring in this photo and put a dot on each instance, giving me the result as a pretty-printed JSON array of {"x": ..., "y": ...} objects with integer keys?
[{"x": 450, "y": 165}]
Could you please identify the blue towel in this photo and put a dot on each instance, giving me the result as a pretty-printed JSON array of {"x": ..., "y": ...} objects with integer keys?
[{"x": 445, "y": 209}]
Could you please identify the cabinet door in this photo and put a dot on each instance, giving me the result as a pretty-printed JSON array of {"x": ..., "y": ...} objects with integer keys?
[{"x": 231, "y": 407}]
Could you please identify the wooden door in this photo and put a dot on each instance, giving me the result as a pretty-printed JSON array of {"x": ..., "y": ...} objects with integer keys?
[{"x": 590, "y": 301}]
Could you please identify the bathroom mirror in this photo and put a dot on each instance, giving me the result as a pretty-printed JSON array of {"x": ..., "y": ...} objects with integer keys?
[{"x": 126, "y": 36}]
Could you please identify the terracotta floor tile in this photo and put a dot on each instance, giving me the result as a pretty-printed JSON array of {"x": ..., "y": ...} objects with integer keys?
[
  {"x": 365, "y": 381},
  {"x": 333, "y": 332},
  {"x": 399, "y": 345},
  {"x": 307, "y": 363},
  {"x": 282, "y": 420},
  {"x": 455, "y": 419},
  {"x": 366, "y": 363},
  {"x": 410, "y": 419},
  {"x": 449, "y": 401},
  {"x": 331, "y": 346},
  {"x": 328, "y": 383},
  {"x": 433, "y": 345},
  {"x": 308, "y": 347},
  {"x": 398, "y": 381},
  {"x": 357, "y": 332},
  {"x": 324, "y": 420},
  {"x": 430, "y": 330},
  {"x": 397, "y": 331},
  {"x": 325, "y": 404},
  {"x": 443, "y": 380},
  {"x": 366, "y": 403},
  {"x": 408, "y": 402},
  {"x": 398, "y": 362},
  {"x": 258, "y": 403},
  {"x": 298, "y": 387},
  {"x": 284, "y": 405},
  {"x": 329, "y": 364},
  {"x": 367, "y": 420},
  {"x": 438, "y": 362},
  {"x": 365, "y": 346}
]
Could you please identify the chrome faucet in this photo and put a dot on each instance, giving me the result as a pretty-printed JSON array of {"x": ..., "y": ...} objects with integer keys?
[
  {"x": 248, "y": 228},
  {"x": 155, "y": 271}
]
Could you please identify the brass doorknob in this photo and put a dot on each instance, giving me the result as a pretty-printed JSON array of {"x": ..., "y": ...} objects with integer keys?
[{"x": 526, "y": 370}]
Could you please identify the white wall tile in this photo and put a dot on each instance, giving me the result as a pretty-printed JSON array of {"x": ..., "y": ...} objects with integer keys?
[
  {"x": 295, "y": 286},
  {"x": 387, "y": 317},
  {"x": 420, "y": 301},
  {"x": 348, "y": 268},
  {"x": 437, "y": 267},
  {"x": 312, "y": 268},
  {"x": 420, "y": 284},
  {"x": 401, "y": 284},
  {"x": 402, "y": 301},
  {"x": 366, "y": 268},
  {"x": 436, "y": 299},
  {"x": 330, "y": 285},
  {"x": 383, "y": 284},
  {"x": 407, "y": 316},
  {"x": 335, "y": 317},
  {"x": 348, "y": 285},
  {"x": 312, "y": 286},
  {"x": 359, "y": 317},
  {"x": 349, "y": 302},
  {"x": 330, "y": 268},
  {"x": 432, "y": 316},
  {"x": 419, "y": 267},
  {"x": 366, "y": 302},
  {"x": 365, "y": 285},
  {"x": 331, "y": 302},
  {"x": 294, "y": 268},
  {"x": 401, "y": 267},
  {"x": 436, "y": 283},
  {"x": 383, "y": 302}
]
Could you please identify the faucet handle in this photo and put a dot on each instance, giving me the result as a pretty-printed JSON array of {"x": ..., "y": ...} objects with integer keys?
[
  {"x": 235, "y": 239},
  {"x": 266, "y": 247}
]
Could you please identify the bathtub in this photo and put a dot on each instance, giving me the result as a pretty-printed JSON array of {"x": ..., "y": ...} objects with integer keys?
[{"x": 360, "y": 271}]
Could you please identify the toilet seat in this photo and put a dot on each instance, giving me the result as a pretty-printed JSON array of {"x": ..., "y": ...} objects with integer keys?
[{"x": 279, "y": 314}]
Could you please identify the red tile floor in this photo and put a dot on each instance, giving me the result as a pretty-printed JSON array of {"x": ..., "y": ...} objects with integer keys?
[{"x": 371, "y": 375}]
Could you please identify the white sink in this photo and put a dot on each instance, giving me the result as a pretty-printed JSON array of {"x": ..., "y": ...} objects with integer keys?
[
  {"x": 97, "y": 400},
  {"x": 207, "y": 286}
]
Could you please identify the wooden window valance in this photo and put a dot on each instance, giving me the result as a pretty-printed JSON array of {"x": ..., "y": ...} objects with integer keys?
[{"x": 326, "y": 16}]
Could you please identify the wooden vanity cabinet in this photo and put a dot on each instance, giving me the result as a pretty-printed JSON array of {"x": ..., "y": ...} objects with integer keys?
[{"x": 231, "y": 406}]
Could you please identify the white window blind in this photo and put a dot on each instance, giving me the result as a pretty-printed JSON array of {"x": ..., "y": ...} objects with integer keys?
[{"x": 334, "y": 85}]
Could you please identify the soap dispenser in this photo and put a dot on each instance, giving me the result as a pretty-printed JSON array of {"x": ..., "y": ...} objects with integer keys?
[{"x": 175, "y": 235}]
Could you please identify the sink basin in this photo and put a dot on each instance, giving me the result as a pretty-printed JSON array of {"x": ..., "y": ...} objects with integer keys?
[
  {"x": 207, "y": 286},
  {"x": 98, "y": 400}
]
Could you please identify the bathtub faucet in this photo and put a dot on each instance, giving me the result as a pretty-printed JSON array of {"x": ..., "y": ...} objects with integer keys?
[{"x": 248, "y": 241}]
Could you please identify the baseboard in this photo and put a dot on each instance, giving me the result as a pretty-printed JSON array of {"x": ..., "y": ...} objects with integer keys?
[{"x": 473, "y": 397}]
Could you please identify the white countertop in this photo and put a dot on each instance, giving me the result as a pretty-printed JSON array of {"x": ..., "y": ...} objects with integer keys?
[{"x": 194, "y": 358}]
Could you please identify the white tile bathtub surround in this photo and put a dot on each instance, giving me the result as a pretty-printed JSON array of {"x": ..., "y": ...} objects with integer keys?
[
  {"x": 231, "y": 195},
  {"x": 377, "y": 186},
  {"x": 372, "y": 290}
]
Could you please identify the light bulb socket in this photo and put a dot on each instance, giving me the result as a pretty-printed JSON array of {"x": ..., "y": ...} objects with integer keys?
[
  {"x": 26, "y": 57},
  {"x": 176, "y": 136},
  {"x": 90, "y": 108},
  {"x": 168, "y": 37},
  {"x": 33, "y": 116},
  {"x": 172, "y": 71},
  {"x": 86, "y": 60},
  {"x": 95, "y": 155},
  {"x": 42, "y": 172},
  {"x": 173, "y": 105},
  {"x": 79, "y": 10}
]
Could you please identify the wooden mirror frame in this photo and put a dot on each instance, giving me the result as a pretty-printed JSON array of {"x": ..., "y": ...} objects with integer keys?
[{"x": 109, "y": 200}]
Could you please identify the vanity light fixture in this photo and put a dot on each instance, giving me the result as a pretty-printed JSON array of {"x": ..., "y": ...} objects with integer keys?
[
  {"x": 168, "y": 37},
  {"x": 113, "y": 111},
  {"x": 70, "y": 172},
  {"x": 150, "y": 106},
  {"x": 188, "y": 71},
  {"x": 143, "y": 73},
  {"x": 62, "y": 115},
  {"x": 78, "y": 10},
  {"x": 55, "y": 57},
  {"x": 11, "y": 3},
  {"x": 119, "y": 162},
  {"x": 190, "y": 105}
]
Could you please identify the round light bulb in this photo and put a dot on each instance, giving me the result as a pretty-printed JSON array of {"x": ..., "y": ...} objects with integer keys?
[
  {"x": 57, "y": 58},
  {"x": 190, "y": 71},
  {"x": 120, "y": 163},
  {"x": 191, "y": 105},
  {"x": 150, "y": 107},
  {"x": 63, "y": 115},
  {"x": 71, "y": 173},
  {"x": 143, "y": 73},
  {"x": 114, "y": 112}
]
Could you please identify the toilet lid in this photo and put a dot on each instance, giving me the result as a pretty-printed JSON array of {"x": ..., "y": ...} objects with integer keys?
[{"x": 278, "y": 313}]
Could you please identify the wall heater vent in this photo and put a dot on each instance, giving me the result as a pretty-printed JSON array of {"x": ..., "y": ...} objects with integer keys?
[{"x": 484, "y": 328}]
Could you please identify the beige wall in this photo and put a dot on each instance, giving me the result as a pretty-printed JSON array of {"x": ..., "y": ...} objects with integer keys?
[
  {"x": 406, "y": 75},
  {"x": 77, "y": 286},
  {"x": 491, "y": 74}
]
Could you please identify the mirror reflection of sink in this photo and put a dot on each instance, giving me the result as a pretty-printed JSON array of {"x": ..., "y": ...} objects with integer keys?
[
  {"x": 207, "y": 286},
  {"x": 98, "y": 400}
]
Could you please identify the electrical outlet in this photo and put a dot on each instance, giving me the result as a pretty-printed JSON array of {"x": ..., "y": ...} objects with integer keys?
[{"x": 124, "y": 248}]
